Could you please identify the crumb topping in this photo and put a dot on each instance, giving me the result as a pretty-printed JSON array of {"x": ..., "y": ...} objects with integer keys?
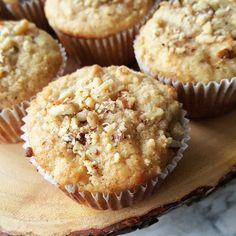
[
  {"x": 29, "y": 59},
  {"x": 191, "y": 40},
  {"x": 104, "y": 129}
]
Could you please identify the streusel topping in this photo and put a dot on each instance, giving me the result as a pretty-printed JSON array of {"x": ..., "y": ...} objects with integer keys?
[
  {"x": 95, "y": 18},
  {"x": 29, "y": 59},
  {"x": 190, "y": 40},
  {"x": 104, "y": 129}
]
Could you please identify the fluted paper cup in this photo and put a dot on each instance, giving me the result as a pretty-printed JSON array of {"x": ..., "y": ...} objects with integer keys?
[
  {"x": 11, "y": 118},
  {"x": 116, "y": 49},
  {"x": 116, "y": 200},
  {"x": 11, "y": 122},
  {"x": 201, "y": 100},
  {"x": 31, "y": 10},
  {"x": 4, "y": 12},
  {"x": 205, "y": 100}
]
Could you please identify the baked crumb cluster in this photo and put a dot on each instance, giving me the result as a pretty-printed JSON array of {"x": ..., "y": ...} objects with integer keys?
[
  {"x": 197, "y": 35},
  {"x": 104, "y": 129},
  {"x": 102, "y": 18},
  {"x": 29, "y": 59}
]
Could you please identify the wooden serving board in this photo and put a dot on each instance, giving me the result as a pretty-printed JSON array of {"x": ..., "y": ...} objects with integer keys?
[{"x": 31, "y": 206}]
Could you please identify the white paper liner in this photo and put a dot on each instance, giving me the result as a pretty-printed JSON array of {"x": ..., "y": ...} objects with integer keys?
[
  {"x": 64, "y": 60},
  {"x": 11, "y": 122},
  {"x": 201, "y": 100},
  {"x": 116, "y": 49},
  {"x": 117, "y": 200},
  {"x": 205, "y": 100},
  {"x": 31, "y": 10},
  {"x": 11, "y": 118}
]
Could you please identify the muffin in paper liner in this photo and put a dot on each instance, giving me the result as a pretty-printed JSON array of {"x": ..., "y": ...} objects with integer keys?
[
  {"x": 116, "y": 49},
  {"x": 11, "y": 118},
  {"x": 191, "y": 52},
  {"x": 116, "y": 200},
  {"x": 202, "y": 99},
  {"x": 31, "y": 10}
]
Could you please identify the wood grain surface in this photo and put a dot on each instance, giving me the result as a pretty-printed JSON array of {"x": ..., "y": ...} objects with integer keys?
[{"x": 31, "y": 206}]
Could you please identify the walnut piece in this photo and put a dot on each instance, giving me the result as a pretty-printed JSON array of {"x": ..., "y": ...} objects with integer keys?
[{"x": 226, "y": 54}]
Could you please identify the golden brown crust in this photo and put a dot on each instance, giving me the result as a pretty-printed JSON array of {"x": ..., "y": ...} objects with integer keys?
[
  {"x": 190, "y": 40},
  {"x": 29, "y": 59},
  {"x": 104, "y": 129},
  {"x": 95, "y": 19}
]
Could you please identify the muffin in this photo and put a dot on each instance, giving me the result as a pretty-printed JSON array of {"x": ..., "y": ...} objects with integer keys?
[
  {"x": 191, "y": 45},
  {"x": 29, "y": 60},
  {"x": 32, "y": 10},
  {"x": 93, "y": 32},
  {"x": 105, "y": 136}
]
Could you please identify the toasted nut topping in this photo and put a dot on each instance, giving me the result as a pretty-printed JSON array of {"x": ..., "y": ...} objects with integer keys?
[
  {"x": 117, "y": 157},
  {"x": 29, "y": 152},
  {"x": 67, "y": 109},
  {"x": 226, "y": 54},
  {"x": 22, "y": 27}
]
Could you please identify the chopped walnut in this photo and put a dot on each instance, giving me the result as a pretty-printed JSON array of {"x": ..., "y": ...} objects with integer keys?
[
  {"x": 118, "y": 136},
  {"x": 92, "y": 119},
  {"x": 22, "y": 27},
  {"x": 29, "y": 152},
  {"x": 63, "y": 109},
  {"x": 82, "y": 116},
  {"x": 90, "y": 103},
  {"x": 106, "y": 106},
  {"x": 96, "y": 70},
  {"x": 7, "y": 44},
  {"x": 124, "y": 70},
  {"x": 91, "y": 167},
  {"x": 127, "y": 101},
  {"x": 110, "y": 129},
  {"x": 67, "y": 94},
  {"x": 117, "y": 157},
  {"x": 226, "y": 54},
  {"x": 81, "y": 138},
  {"x": 74, "y": 123}
]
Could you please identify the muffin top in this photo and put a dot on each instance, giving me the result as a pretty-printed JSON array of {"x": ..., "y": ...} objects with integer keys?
[
  {"x": 95, "y": 18},
  {"x": 104, "y": 129},
  {"x": 29, "y": 59},
  {"x": 190, "y": 40}
]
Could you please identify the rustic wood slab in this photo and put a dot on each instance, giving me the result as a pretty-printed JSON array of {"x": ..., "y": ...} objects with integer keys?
[{"x": 31, "y": 206}]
